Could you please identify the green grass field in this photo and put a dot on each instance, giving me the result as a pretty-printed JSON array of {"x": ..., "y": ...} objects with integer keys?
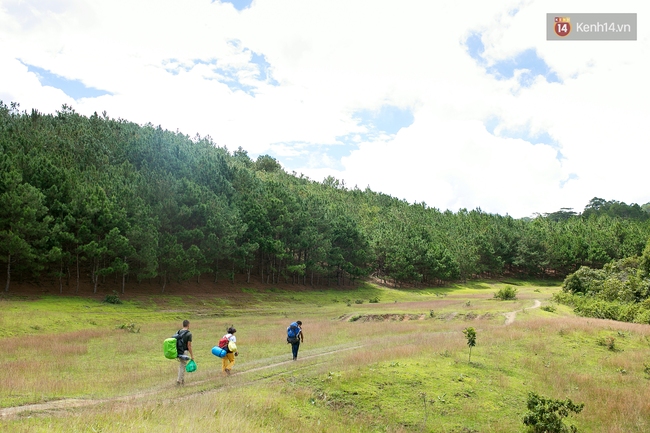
[{"x": 397, "y": 364}]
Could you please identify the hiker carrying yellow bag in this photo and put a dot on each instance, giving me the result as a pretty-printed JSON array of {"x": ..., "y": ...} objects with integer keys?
[{"x": 228, "y": 361}]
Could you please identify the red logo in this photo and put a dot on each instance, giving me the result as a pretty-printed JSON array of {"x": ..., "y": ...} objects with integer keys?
[{"x": 562, "y": 26}]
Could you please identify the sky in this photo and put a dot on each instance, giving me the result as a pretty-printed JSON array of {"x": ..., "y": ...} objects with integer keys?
[{"x": 457, "y": 104}]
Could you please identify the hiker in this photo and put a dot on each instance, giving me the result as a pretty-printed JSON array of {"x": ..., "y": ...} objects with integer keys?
[
  {"x": 295, "y": 336},
  {"x": 185, "y": 343},
  {"x": 228, "y": 361}
]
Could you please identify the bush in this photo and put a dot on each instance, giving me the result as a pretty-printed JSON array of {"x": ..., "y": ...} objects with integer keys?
[
  {"x": 545, "y": 415},
  {"x": 112, "y": 299},
  {"x": 507, "y": 293},
  {"x": 131, "y": 327},
  {"x": 374, "y": 300},
  {"x": 628, "y": 312},
  {"x": 643, "y": 316},
  {"x": 567, "y": 299},
  {"x": 549, "y": 308},
  {"x": 359, "y": 301},
  {"x": 599, "y": 309},
  {"x": 584, "y": 280},
  {"x": 608, "y": 342},
  {"x": 573, "y": 284}
]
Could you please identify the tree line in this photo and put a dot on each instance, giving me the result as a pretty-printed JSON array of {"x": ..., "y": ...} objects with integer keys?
[{"x": 96, "y": 198}]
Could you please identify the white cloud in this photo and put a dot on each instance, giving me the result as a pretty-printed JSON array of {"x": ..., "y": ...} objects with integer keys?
[
  {"x": 24, "y": 87},
  {"x": 333, "y": 58}
]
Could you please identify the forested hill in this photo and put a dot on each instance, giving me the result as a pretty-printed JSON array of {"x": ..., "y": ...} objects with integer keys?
[{"x": 99, "y": 198}]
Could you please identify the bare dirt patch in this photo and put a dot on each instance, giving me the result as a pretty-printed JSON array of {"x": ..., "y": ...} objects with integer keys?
[
  {"x": 384, "y": 317},
  {"x": 389, "y": 317}
]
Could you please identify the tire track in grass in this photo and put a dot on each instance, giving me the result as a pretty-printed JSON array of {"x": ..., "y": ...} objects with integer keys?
[{"x": 72, "y": 403}]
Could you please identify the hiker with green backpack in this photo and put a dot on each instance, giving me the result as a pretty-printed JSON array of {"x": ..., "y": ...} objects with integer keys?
[{"x": 184, "y": 348}]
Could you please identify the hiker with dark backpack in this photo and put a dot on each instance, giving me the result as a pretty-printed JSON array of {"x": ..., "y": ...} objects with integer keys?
[
  {"x": 295, "y": 336},
  {"x": 184, "y": 349},
  {"x": 229, "y": 343}
]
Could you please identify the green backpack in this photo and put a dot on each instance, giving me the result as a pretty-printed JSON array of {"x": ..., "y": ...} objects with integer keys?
[{"x": 171, "y": 345}]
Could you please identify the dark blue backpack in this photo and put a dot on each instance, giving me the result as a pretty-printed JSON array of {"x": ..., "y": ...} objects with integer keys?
[{"x": 292, "y": 333}]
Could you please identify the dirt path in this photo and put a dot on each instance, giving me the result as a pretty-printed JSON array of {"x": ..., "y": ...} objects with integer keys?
[
  {"x": 510, "y": 317},
  {"x": 70, "y": 403}
]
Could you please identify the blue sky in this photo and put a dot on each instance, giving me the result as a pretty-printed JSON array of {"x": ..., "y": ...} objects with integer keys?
[
  {"x": 527, "y": 61},
  {"x": 385, "y": 121},
  {"x": 475, "y": 111},
  {"x": 239, "y": 4},
  {"x": 73, "y": 88}
]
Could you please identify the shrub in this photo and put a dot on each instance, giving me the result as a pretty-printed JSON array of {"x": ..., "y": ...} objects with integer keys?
[
  {"x": 598, "y": 308},
  {"x": 506, "y": 294},
  {"x": 643, "y": 316},
  {"x": 549, "y": 308},
  {"x": 131, "y": 327},
  {"x": 628, "y": 312},
  {"x": 112, "y": 299},
  {"x": 359, "y": 301},
  {"x": 573, "y": 284},
  {"x": 374, "y": 300},
  {"x": 584, "y": 280},
  {"x": 567, "y": 298},
  {"x": 608, "y": 342},
  {"x": 546, "y": 415}
]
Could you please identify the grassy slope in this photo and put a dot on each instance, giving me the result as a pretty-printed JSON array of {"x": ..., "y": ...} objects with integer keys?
[{"x": 402, "y": 363}]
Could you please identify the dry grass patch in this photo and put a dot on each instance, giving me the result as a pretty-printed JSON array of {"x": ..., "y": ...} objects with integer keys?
[{"x": 52, "y": 345}]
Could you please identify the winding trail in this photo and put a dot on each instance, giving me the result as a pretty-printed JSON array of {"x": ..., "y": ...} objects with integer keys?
[
  {"x": 510, "y": 317},
  {"x": 70, "y": 403}
]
